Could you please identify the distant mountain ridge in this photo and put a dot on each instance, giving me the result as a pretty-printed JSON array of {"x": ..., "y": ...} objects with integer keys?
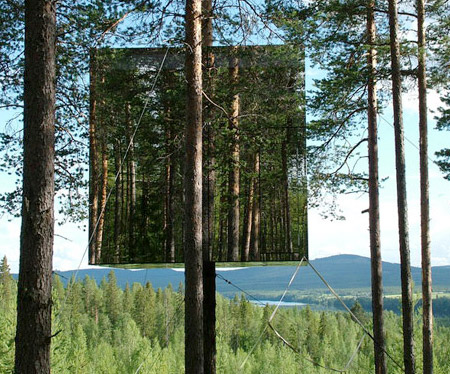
[{"x": 340, "y": 271}]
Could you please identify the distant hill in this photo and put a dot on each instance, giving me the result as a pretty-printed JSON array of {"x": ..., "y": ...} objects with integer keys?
[{"x": 341, "y": 272}]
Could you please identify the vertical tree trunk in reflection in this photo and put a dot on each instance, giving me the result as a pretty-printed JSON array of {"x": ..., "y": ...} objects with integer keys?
[
  {"x": 94, "y": 181},
  {"x": 247, "y": 229},
  {"x": 118, "y": 200},
  {"x": 286, "y": 209},
  {"x": 209, "y": 136},
  {"x": 131, "y": 182},
  {"x": 102, "y": 205},
  {"x": 256, "y": 218},
  {"x": 169, "y": 200},
  {"x": 233, "y": 178}
]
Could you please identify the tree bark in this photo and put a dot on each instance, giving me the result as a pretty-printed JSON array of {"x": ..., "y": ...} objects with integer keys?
[
  {"x": 209, "y": 185},
  {"x": 287, "y": 212},
  {"x": 169, "y": 209},
  {"x": 233, "y": 178},
  {"x": 209, "y": 181},
  {"x": 427, "y": 306},
  {"x": 247, "y": 229},
  {"x": 194, "y": 353},
  {"x": 256, "y": 215},
  {"x": 93, "y": 159},
  {"x": 131, "y": 184},
  {"x": 101, "y": 220},
  {"x": 405, "y": 267},
  {"x": 209, "y": 316},
  {"x": 118, "y": 201},
  {"x": 34, "y": 300},
  {"x": 374, "y": 205},
  {"x": 223, "y": 222}
]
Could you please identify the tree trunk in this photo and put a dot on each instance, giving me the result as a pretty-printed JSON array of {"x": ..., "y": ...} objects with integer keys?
[
  {"x": 93, "y": 159},
  {"x": 256, "y": 215},
  {"x": 124, "y": 207},
  {"x": 233, "y": 178},
  {"x": 34, "y": 299},
  {"x": 169, "y": 208},
  {"x": 247, "y": 229},
  {"x": 194, "y": 354},
  {"x": 101, "y": 220},
  {"x": 209, "y": 185},
  {"x": 427, "y": 307},
  {"x": 209, "y": 181},
  {"x": 118, "y": 202},
  {"x": 374, "y": 206},
  {"x": 143, "y": 224},
  {"x": 287, "y": 213},
  {"x": 222, "y": 221},
  {"x": 405, "y": 267},
  {"x": 209, "y": 316},
  {"x": 132, "y": 184}
]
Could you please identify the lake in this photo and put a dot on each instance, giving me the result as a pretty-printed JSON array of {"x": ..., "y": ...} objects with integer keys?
[{"x": 284, "y": 304}]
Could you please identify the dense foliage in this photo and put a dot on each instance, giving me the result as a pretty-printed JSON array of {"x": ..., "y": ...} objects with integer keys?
[
  {"x": 104, "y": 329},
  {"x": 144, "y": 215}
]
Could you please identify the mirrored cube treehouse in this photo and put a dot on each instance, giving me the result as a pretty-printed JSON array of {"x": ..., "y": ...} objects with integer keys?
[{"x": 254, "y": 147}]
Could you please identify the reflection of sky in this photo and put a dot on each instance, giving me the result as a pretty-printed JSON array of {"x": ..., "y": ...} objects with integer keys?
[{"x": 325, "y": 237}]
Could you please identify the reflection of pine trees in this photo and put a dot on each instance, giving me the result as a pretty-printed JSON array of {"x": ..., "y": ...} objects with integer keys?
[{"x": 259, "y": 194}]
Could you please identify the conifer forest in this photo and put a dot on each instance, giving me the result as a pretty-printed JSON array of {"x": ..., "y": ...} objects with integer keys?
[
  {"x": 187, "y": 133},
  {"x": 104, "y": 329}
]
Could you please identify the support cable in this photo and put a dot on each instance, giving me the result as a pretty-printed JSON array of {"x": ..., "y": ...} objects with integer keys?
[
  {"x": 271, "y": 317},
  {"x": 353, "y": 316},
  {"x": 74, "y": 277},
  {"x": 294, "y": 349},
  {"x": 287, "y": 343},
  {"x": 409, "y": 141}
]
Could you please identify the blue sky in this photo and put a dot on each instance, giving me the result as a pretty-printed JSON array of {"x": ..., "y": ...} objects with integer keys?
[{"x": 326, "y": 237}]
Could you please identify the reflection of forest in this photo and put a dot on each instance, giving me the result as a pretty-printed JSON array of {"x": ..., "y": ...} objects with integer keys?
[{"x": 254, "y": 145}]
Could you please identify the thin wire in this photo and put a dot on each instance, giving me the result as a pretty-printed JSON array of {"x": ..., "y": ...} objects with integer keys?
[
  {"x": 258, "y": 341},
  {"x": 286, "y": 290},
  {"x": 409, "y": 141},
  {"x": 240, "y": 289},
  {"x": 287, "y": 343},
  {"x": 74, "y": 277},
  {"x": 366, "y": 332},
  {"x": 354, "y": 317},
  {"x": 294, "y": 349},
  {"x": 123, "y": 159}
]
